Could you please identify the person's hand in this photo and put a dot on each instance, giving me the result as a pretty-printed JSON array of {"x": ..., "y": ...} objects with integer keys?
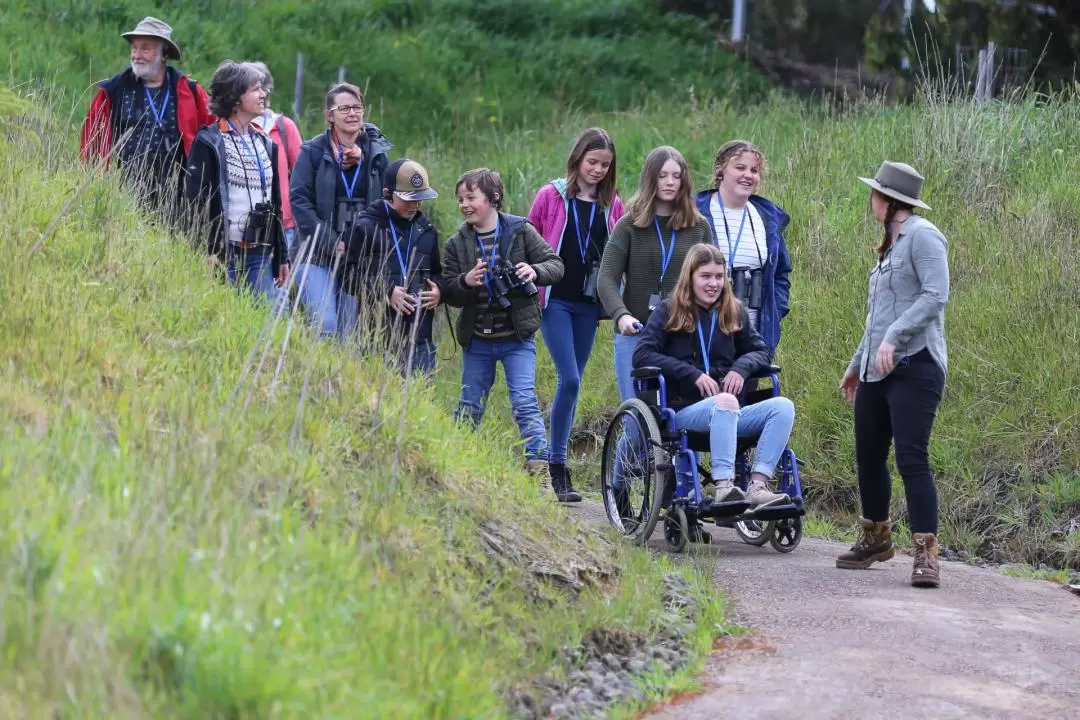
[
  {"x": 707, "y": 385},
  {"x": 430, "y": 298},
  {"x": 475, "y": 277},
  {"x": 401, "y": 300},
  {"x": 628, "y": 325},
  {"x": 525, "y": 271},
  {"x": 885, "y": 360},
  {"x": 733, "y": 382},
  {"x": 849, "y": 384},
  {"x": 340, "y": 247},
  {"x": 282, "y": 274}
]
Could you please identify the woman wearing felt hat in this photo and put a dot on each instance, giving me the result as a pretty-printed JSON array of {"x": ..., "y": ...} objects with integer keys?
[{"x": 897, "y": 375}]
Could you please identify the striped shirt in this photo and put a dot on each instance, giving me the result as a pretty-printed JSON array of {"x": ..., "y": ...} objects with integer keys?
[
  {"x": 751, "y": 249},
  {"x": 633, "y": 253},
  {"x": 246, "y": 187}
]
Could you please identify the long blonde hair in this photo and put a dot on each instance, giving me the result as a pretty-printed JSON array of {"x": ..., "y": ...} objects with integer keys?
[
  {"x": 684, "y": 314},
  {"x": 641, "y": 205}
]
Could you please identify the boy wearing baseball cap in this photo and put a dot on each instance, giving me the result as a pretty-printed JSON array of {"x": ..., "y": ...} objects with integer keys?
[{"x": 393, "y": 262}]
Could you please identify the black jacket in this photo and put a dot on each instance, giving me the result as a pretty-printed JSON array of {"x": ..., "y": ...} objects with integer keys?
[
  {"x": 313, "y": 187},
  {"x": 519, "y": 242},
  {"x": 372, "y": 269},
  {"x": 679, "y": 357},
  {"x": 207, "y": 187}
]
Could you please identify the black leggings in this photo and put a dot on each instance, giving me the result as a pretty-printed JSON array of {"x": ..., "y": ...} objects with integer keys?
[{"x": 900, "y": 407}]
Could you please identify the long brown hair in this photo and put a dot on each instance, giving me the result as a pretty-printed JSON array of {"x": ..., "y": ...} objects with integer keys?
[
  {"x": 894, "y": 206},
  {"x": 684, "y": 308},
  {"x": 591, "y": 139},
  {"x": 641, "y": 205},
  {"x": 731, "y": 150}
]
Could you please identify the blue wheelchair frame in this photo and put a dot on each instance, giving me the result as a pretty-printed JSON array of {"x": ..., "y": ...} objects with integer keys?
[{"x": 686, "y": 496}]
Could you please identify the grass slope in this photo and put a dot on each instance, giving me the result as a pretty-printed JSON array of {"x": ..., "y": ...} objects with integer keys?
[
  {"x": 1003, "y": 183},
  {"x": 179, "y": 541},
  {"x": 439, "y": 68}
]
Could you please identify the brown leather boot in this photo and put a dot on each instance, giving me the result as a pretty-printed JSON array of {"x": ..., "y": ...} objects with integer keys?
[
  {"x": 874, "y": 545},
  {"x": 926, "y": 571}
]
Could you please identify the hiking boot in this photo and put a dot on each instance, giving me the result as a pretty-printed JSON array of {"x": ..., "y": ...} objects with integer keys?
[
  {"x": 727, "y": 492},
  {"x": 874, "y": 545},
  {"x": 562, "y": 485},
  {"x": 539, "y": 468},
  {"x": 926, "y": 571},
  {"x": 760, "y": 496}
]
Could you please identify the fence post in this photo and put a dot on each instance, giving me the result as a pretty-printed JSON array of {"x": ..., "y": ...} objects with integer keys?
[
  {"x": 738, "y": 20},
  {"x": 341, "y": 74},
  {"x": 980, "y": 78},
  {"x": 298, "y": 93}
]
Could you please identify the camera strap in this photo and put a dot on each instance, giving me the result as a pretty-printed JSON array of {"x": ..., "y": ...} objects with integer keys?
[
  {"x": 706, "y": 349},
  {"x": 492, "y": 260},
  {"x": 665, "y": 255},
  {"x": 254, "y": 155},
  {"x": 583, "y": 244},
  {"x": 727, "y": 230},
  {"x": 402, "y": 259}
]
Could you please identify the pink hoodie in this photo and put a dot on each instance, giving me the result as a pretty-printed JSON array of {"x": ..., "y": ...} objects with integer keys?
[{"x": 549, "y": 211}]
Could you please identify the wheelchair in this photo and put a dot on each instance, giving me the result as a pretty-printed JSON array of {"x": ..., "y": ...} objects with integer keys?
[{"x": 650, "y": 472}]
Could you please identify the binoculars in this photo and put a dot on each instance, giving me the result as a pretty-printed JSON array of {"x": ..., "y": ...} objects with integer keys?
[
  {"x": 418, "y": 282},
  {"x": 504, "y": 280},
  {"x": 589, "y": 291},
  {"x": 348, "y": 210},
  {"x": 257, "y": 225},
  {"x": 748, "y": 286}
]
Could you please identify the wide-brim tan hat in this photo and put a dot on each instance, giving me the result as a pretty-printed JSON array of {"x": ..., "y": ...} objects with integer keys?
[
  {"x": 152, "y": 27},
  {"x": 900, "y": 182}
]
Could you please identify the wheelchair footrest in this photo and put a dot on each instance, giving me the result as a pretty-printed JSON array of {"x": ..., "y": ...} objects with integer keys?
[
  {"x": 709, "y": 509},
  {"x": 775, "y": 512}
]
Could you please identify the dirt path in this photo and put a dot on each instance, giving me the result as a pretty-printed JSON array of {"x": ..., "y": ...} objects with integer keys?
[{"x": 831, "y": 643}]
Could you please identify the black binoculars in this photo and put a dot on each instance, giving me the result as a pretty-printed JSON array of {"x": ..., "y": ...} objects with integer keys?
[
  {"x": 418, "y": 282},
  {"x": 257, "y": 225},
  {"x": 505, "y": 280},
  {"x": 589, "y": 292},
  {"x": 748, "y": 286},
  {"x": 348, "y": 210}
]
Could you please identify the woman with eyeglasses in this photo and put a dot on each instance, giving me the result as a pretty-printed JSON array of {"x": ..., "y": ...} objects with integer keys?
[{"x": 337, "y": 175}]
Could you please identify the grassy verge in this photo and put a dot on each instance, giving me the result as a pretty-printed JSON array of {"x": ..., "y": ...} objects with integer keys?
[
  {"x": 1002, "y": 182},
  {"x": 184, "y": 540}
]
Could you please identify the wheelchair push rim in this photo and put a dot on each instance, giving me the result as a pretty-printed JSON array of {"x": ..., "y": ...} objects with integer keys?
[
  {"x": 754, "y": 532},
  {"x": 630, "y": 484}
]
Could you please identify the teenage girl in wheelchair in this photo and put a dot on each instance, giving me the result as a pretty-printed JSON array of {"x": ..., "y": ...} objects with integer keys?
[{"x": 690, "y": 366}]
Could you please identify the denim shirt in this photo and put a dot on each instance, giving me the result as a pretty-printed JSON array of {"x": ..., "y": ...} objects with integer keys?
[{"x": 909, "y": 287}]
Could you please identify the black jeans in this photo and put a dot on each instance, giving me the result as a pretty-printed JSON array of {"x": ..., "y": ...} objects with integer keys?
[{"x": 900, "y": 407}]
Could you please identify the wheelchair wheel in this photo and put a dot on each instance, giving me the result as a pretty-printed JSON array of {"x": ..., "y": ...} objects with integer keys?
[
  {"x": 676, "y": 529},
  {"x": 630, "y": 483},
  {"x": 754, "y": 532},
  {"x": 786, "y": 534}
]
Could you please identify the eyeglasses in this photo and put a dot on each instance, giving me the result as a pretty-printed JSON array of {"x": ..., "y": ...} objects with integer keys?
[{"x": 349, "y": 109}]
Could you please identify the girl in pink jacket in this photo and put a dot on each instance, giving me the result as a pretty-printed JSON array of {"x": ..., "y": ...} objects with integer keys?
[{"x": 575, "y": 214}]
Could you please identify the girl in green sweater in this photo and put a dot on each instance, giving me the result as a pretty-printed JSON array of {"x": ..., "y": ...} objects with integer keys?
[{"x": 646, "y": 250}]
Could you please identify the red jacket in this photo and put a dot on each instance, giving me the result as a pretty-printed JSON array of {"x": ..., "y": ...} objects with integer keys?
[{"x": 192, "y": 112}]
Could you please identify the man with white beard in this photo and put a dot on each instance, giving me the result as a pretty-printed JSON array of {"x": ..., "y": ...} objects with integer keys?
[{"x": 159, "y": 108}]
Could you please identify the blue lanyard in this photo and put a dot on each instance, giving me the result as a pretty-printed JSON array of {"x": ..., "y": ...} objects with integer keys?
[
  {"x": 253, "y": 155},
  {"x": 492, "y": 260},
  {"x": 397, "y": 243},
  {"x": 583, "y": 245},
  {"x": 727, "y": 230},
  {"x": 665, "y": 256},
  {"x": 349, "y": 187},
  {"x": 159, "y": 116},
  {"x": 705, "y": 350}
]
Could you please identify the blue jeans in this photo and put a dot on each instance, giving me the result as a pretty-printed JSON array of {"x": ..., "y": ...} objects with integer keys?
[
  {"x": 256, "y": 270},
  {"x": 478, "y": 364},
  {"x": 624, "y": 364},
  {"x": 290, "y": 242},
  {"x": 319, "y": 296},
  {"x": 769, "y": 420},
  {"x": 569, "y": 328}
]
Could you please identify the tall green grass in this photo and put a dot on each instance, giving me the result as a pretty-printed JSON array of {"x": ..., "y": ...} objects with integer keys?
[
  {"x": 1003, "y": 183},
  {"x": 179, "y": 541}
]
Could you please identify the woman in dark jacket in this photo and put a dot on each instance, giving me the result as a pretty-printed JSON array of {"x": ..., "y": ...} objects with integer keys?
[
  {"x": 393, "y": 263},
  {"x": 231, "y": 174},
  {"x": 337, "y": 175},
  {"x": 703, "y": 343}
]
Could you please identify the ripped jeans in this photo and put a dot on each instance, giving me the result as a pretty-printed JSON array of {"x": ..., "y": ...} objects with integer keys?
[{"x": 769, "y": 420}]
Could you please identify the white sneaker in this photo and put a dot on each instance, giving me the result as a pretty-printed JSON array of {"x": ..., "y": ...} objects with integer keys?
[
  {"x": 761, "y": 496},
  {"x": 727, "y": 492}
]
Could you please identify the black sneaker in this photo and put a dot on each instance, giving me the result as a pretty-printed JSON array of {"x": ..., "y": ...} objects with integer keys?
[{"x": 560, "y": 483}]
